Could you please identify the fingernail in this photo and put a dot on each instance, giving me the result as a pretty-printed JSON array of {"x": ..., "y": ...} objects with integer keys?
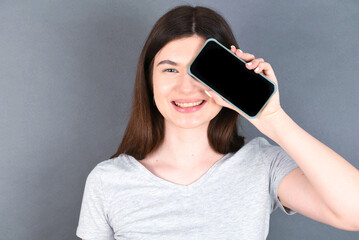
[
  {"x": 232, "y": 46},
  {"x": 257, "y": 69},
  {"x": 208, "y": 93},
  {"x": 250, "y": 63},
  {"x": 240, "y": 50}
]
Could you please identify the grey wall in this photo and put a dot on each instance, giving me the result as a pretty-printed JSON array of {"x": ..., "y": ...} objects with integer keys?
[{"x": 67, "y": 70}]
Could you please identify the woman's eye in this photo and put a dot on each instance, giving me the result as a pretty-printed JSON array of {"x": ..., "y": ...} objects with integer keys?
[{"x": 169, "y": 70}]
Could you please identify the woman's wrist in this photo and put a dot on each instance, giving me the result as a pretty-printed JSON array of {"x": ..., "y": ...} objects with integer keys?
[{"x": 275, "y": 124}]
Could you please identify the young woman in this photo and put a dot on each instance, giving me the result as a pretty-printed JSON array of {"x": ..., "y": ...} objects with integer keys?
[{"x": 183, "y": 172}]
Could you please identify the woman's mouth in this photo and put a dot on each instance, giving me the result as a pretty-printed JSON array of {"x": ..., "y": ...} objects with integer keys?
[
  {"x": 185, "y": 105},
  {"x": 188, "y": 106}
]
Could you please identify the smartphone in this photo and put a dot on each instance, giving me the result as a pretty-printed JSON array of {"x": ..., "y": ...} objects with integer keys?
[{"x": 222, "y": 71}]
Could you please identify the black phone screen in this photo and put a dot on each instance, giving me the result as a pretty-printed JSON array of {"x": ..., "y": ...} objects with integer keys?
[{"x": 227, "y": 75}]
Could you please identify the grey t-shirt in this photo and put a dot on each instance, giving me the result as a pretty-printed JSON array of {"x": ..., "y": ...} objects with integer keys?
[{"x": 232, "y": 200}]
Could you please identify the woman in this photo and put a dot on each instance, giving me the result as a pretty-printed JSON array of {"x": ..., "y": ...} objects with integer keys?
[{"x": 183, "y": 172}]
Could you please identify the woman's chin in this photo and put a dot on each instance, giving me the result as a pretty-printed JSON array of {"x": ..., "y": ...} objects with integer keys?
[{"x": 187, "y": 123}]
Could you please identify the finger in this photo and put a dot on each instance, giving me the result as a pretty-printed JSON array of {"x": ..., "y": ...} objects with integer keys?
[
  {"x": 247, "y": 57},
  {"x": 233, "y": 49},
  {"x": 266, "y": 69},
  {"x": 264, "y": 66},
  {"x": 242, "y": 55},
  {"x": 254, "y": 63}
]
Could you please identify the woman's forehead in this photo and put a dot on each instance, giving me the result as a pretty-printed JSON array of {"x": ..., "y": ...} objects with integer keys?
[{"x": 180, "y": 50}]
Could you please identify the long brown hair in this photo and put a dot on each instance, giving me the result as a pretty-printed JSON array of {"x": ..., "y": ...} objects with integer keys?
[{"x": 145, "y": 130}]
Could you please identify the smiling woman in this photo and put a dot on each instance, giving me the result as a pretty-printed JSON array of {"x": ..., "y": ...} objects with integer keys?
[
  {"x": 168, "y": 46},
  {"x": 183, "y": 172}
]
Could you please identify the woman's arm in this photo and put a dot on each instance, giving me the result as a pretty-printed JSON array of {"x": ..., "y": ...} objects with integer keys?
[
  {"x": 325, "y": 187},
  {"x": 328, "y": 178}
]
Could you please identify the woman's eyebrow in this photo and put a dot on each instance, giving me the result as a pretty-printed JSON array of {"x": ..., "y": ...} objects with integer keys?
[{"x": 167, "y": 62}]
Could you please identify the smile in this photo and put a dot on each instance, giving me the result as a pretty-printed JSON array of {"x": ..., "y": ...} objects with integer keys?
[{"x": 185, "y": 105}]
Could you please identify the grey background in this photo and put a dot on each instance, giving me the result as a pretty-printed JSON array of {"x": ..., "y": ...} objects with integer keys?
[{"x": 67, "y": 71}]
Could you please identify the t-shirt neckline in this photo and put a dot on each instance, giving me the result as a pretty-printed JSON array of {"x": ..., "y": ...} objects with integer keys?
[{"x": 173, "y": 185}]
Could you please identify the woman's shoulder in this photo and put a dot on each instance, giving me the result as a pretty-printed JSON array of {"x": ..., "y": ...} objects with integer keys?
[
  {"x": 257, "y": 148},
  {"x": 257, "y": 141},
  {"x": 122, "y": 163},
  {"x": 257, "y": 144},
  {"x": 261, "y": 150}
]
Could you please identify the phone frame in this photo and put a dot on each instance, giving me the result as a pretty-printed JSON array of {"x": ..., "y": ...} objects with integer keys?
[{"x": 190, "y": 73}]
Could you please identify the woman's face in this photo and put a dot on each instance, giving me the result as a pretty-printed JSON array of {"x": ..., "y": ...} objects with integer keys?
[{"x": 179, "y": 97}]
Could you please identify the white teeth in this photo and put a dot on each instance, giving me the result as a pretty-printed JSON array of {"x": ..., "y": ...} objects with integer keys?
[{"x": 189, "y": 104}]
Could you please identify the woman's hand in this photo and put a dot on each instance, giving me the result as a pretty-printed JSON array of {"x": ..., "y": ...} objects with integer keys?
[{"x": 273, "y": 107}]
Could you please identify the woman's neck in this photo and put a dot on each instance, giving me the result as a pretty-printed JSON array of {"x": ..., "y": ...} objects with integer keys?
[{"x": 185, "y": 148}]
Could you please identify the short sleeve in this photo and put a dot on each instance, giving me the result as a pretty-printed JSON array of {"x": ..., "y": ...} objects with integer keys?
[
  {"x": 281, "y": 164},
  {"x": 93, "y": 222}
]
